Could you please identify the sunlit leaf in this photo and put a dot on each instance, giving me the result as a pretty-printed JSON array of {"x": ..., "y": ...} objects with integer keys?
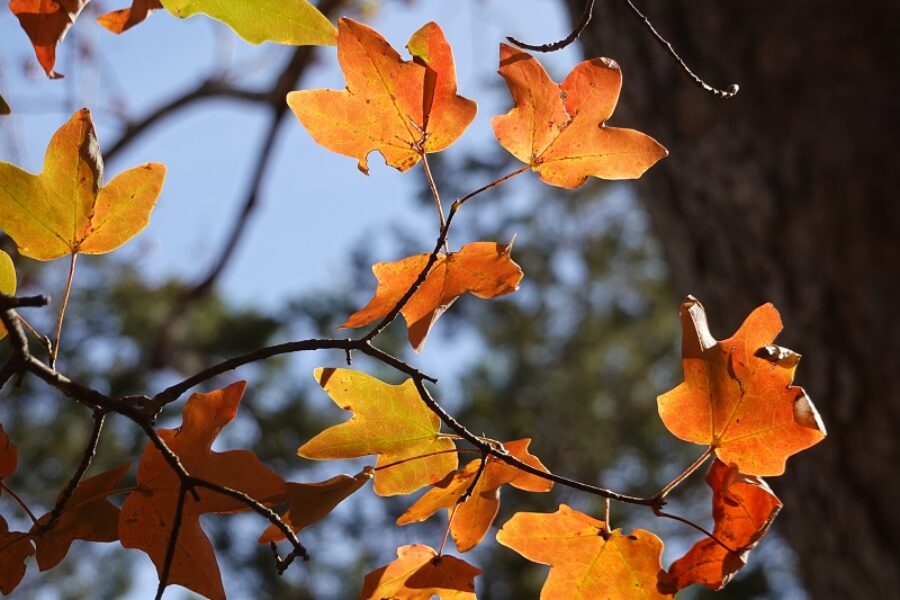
[
  {"x": 124, "y": 19},
  {"x": 66, "y": 209},
  {"x": 46, "y": 23},
  {"x": 419, "y": 574},
  {"x": 560, "y": 130},
  {"x": 741, "y": 404},
  {"x": 8, "y": 287},
  {"x": 388, "y": 420}
]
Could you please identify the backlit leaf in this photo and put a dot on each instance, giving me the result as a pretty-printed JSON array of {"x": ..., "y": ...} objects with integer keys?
[
  {"x": 484, "y": 269},
  {"x": 743, "y": 509},
  {"x": 585, "y": 561},
  {"x": 473, "y": 517},
  {"x": 46, "y": 23},
  {"x": 8, "y": 287},
  {"x": 88, "y": 515},
  {"x": 311, "y": 502},
  {"x": 293, "y": 22},
  {"x": 388, "y": 420},
  {"x": 742, "y": 405},
  {"x": 66, "y": 209},
  {"x": 147, "y": 515},
  {"x": 419, "y": 574},
  {"x": 15, "y": 547},
  {"x": 399, "y": 108},
  {"x": 560, "y": 130},
  {"x": 124, "y": 19}
]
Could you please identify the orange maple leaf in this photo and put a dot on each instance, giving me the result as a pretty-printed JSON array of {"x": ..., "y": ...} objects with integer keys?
[
  {"x": 147, "y": 515},
  {"x": 311, "y": 502},
  {"x": 741, "y": 404},
  {"x": 587, "y": 561},
  {"x": 560, "y": 130},
  {"x": 390, "y": 421},
  {"x": 119, "y": 21},
  {"x": 743, "y": 509},
  {"x": 484, "y": 269},
  {"x": 46, "y": 23},
  {"x": 420, "y": 574},
  {"x": 15, "y": 547},
  {"x": 88, "y": 515},
  {"x": 473, "y": 517},
  {"x": 399, "y": 108}
]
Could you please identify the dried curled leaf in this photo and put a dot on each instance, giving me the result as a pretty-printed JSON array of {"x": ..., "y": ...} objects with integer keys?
[
  {"x": 743, "y": 509},
  {"x": 560, "y": 130},
  {"x": 484, "y": 269},
  {"x": 8, "y": 287},
  {"x": 388, "y": 420},
  {"x": 311, "y": 502},
  {"x": 399, "y": 108},
  {"x": 742, "y": 405},
  {"x": 46, "y": 23},
  {"x": 474, "y": 516},
  {"x": 88, "y": 515},
  {"x": 147, "y": 516},
  {"x": 119, "y": 21},
  {"x": 4, "y": 106},
  {"x": 420, "y": 574},
  {"x": 66, "y": 209},
  {"x": 585, "y": 560},
  {"x": 293, "y": 22}
]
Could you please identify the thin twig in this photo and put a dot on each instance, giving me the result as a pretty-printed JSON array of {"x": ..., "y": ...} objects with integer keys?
[
  {"x": 62, "y": 309},
  {"x": 86, "y": 458},
  {"x": 471, "y": 489},
  {"x": 732, "y": 90},
  {"x": 582, "y": 24},
  {"x": 429, "y": 455},
  {"x": 446, "y": 535}
]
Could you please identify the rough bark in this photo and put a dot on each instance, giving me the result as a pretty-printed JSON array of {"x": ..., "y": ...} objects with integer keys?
[{"x": 788, "y": 193}]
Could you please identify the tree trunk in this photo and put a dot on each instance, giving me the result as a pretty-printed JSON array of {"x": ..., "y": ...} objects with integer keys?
[{"x": 788, "y": 192}]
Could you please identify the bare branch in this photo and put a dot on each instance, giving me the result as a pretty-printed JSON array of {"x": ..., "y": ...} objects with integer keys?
[{"x": 566, "y": 41}]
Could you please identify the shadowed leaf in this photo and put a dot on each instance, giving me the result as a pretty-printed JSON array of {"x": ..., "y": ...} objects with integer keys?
[{"x": 419, "y": 574}]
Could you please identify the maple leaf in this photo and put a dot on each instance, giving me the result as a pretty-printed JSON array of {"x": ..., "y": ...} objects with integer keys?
[
  {"x": 388, "y": 420},
  {"x": 560, "y": 130},
  {"x": 8, "y": 287},
  {"x": 119, "y": 21},
  {"x": 15, "y": 547},
  {"x": 147, "y": 515},
  {"x": 484, "y": 269},
  {"x": 9, "y": 455},
  {"x": 399, "y": 108},
  {"x": 742, "y": 405},
  {"x": 88, "y": 515},
  {"x": 293, "y": 22},
  {"x": 743, "y": 509},
  {"x": 420, "y": 574},
  {"x": 65, "y": 209},
  {"x": 46, "y": 23},
  {"x": 585, "y": 560},
  {"x": 311, "y": 502},
  {"x": 473, "y": 517}
]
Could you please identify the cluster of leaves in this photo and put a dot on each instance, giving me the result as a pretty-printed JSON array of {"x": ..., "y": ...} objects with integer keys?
[{"x": 736, "y": 399}]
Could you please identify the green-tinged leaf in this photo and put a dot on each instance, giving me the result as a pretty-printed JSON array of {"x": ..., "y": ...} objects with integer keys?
[
  {"x": 293, "y": 22},
  {"x": 66, "y": 209},
  {"x": 7, "y": 281}
]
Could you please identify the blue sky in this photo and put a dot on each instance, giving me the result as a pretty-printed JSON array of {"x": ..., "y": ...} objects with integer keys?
[{"x": 315, "y": 206}]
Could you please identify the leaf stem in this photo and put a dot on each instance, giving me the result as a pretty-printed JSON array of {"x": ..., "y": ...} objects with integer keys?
[
  {"x": 62, "y": 309},
  {"x": 440, "y": 551},
  {"x": 460, "y": 201},
  {"x": 429, "y": 455},
  {"x": 437, "y": 197},
  {"x": 19, "y": 501},
  {"x": 684, "y": 474},
  {"x": 700, "y": 528}
]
